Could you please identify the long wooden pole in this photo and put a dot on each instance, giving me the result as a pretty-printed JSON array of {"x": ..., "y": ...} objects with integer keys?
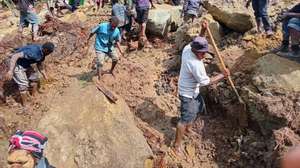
[{"x": 223, "y": 65}]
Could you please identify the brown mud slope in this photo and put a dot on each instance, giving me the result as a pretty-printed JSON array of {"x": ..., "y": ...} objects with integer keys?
[{"x": 70, "y": 41}]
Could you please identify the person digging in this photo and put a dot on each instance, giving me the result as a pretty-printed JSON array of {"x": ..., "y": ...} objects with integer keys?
[
  {"x": 21, "y": 71},
  {"x": 192, "y": 77},
  {"x": 107, "y": 36}
]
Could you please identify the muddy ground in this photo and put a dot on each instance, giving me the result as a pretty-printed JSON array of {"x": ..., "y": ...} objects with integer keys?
[{"x": 149, "y": 87}]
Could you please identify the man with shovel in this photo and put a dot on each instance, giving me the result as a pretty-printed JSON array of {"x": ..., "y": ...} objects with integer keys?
[{"x": 192, "y": 77}]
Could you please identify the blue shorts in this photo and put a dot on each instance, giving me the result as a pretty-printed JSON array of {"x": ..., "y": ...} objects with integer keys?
[
  {"x": 27, "y": 18},
  {"x": 190, "y": 108},
  {"x": 294, "y": 23}
]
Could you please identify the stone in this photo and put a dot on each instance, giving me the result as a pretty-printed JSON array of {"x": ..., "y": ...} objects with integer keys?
[
  {"x": 277, "y": 72},
  {"x": 86, "y": 130},
  {"x": 232, "y": 15},
  {"x": 215, "y": 28},
  {"x": 187, "y": 32},
  {"x": 174, "y": 11},
  {"x": 159, "y": 22}
]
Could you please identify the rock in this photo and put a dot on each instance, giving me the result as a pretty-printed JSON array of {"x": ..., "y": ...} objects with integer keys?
[
  {"x": 232, "y": 15},
  {"x": 159, "y": 22},
  {"x": 175, "y": 12},
  {"x": 187, "y": 32},
  {"x": 215, "y": 28},
  {"x": 277, "y": 72},
  {"x": 86, "y": 130},
  {"x": 273, "y": 104}
]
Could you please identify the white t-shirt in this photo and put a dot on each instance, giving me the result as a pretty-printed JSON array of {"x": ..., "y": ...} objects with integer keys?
[{"x": 192, "y": 74}]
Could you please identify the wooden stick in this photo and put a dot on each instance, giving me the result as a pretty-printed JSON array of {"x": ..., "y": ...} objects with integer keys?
[{"x": 223, "y": 65}]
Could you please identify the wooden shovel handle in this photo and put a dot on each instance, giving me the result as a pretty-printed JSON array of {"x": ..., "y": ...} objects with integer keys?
[{"x": 223, "y": 64}]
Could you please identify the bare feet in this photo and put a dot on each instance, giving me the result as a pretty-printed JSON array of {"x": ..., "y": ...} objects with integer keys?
[
  {"x": 190, "y": 132},
  {"x": 108, "y": 72},
  {"x": 177, "y": 150}
]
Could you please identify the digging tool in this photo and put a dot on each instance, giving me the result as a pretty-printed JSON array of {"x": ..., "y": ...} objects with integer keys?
[
  {"x": 242, "y": 106},
  {"x": 106, "y": 92}
]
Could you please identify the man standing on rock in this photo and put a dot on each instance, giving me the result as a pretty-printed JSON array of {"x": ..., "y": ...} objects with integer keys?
[
  {"x": 192, "y": 77},
  {"x": 21, "y": 71},
  {"x": 291, "y": 29},
  {"x": 28, "y": 16},
  {"x": 107, "y": 35},
  {"x": 142, "y": 8},
  {"x": 191, "y": 9},
  {"x": 260, "y": 8}
]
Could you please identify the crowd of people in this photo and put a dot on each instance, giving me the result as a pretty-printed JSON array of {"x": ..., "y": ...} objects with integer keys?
[{"x": 108, "y": 37}]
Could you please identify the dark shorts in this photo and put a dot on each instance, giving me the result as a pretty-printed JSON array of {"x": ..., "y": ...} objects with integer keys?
[
  {"x": 142, "y": 15},
  {"x": 190, "y": 108},
  {"x": 126, "y": 27}
]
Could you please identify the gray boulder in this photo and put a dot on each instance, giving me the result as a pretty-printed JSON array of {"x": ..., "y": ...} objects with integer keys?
[
  {"x": 233, "y": 15},
  {"x": 85, "y": 130},
  {"x": 159, "y": 22}
]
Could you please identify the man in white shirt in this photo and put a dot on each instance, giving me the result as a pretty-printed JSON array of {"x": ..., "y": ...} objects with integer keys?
[{"x": 192, "y": 77}]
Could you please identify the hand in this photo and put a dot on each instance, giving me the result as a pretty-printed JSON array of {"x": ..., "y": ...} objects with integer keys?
[
  {"x": 247, "y": 4},
  {"x": 226, "y": 72},
  {"x": 286, "y": 14},
  {"x": 205, "y": 24},
  {"x": 181, "y": 15},
  {"x": 9, "y": 75}
]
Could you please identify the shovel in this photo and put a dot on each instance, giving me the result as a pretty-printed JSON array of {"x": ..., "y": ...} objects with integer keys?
[{"x": 241, "y": 108}]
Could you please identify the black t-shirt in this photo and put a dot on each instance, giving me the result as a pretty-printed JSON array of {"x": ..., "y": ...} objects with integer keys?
[{"x": 295, "y": 9}]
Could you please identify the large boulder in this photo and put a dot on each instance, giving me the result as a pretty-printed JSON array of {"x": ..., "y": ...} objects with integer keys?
[
  {"x": 233, "y": 15},
  {"x": 272, "y": 71},
  {"x": 175, "y": 12},
  {"x": 159, "y": 22},
  {"x": 273, "y": 95},
  {"x": 86, "y": 130}
]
